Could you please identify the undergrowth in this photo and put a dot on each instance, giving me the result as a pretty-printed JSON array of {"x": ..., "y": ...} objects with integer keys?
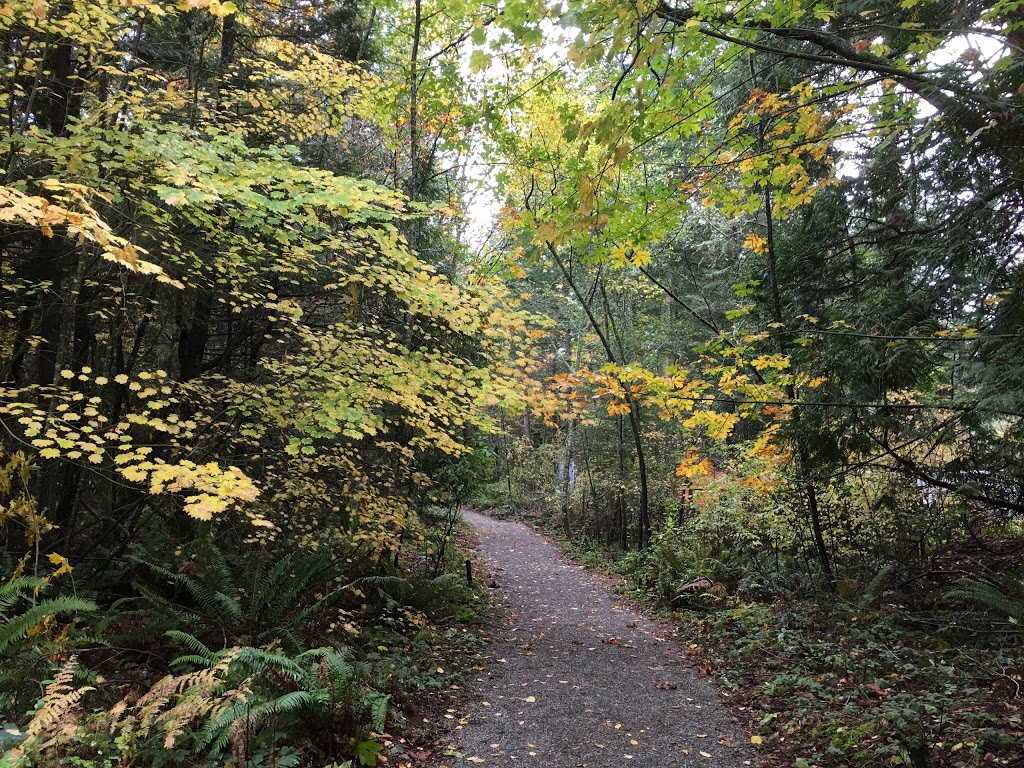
[
  {"x": 894, "y": 671},
  {"x": 248, "y": 660}
]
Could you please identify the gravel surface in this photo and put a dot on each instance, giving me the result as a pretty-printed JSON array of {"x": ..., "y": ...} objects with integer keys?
[{"x": 574, "y": 679}]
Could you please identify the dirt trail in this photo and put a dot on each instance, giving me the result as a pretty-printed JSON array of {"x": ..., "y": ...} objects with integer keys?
[{"x": 575, "y": 679}]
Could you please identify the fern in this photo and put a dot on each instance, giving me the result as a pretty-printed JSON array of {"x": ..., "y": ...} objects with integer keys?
[
  {"x": 24, "y": 654},
  {"x": 243, "y": 696},
  {"x": 248, "y": 602},
  {"x": 874, "y": 587},
  {"x": 16, "y": 629},
  {"x": 376, "y": 705},
  {"x": 203, "y": 654},
  {"x": 992, "y": 598}
]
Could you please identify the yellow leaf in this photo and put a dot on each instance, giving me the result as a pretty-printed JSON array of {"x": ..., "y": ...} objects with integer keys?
[
  {"x": 755, "y": 243},
  {"x": 692, "y": 466},
  {"x": 641, "y": 257},
  {"x": 620, "y": 255},
  {"x": 756, "y": 740},
  {"x": 62, "y": 562}
]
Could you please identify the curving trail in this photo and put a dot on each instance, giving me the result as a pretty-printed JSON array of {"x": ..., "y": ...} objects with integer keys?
[{"x": 575, "y": 680}]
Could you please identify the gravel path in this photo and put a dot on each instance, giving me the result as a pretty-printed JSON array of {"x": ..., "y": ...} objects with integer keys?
[{"x": 575, "y": 680}]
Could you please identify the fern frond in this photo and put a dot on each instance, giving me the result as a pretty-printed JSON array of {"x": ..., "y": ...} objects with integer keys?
[
  {"x": 205, "y": 656},
  {"x": 990, "y": 597},
  {"x": 870, "y": 593},
  {"x": 447, "y": 581},
  {"x": 13, "y": 590},
  {"x": 288, "y": 704},
  {"x": 258, "y": 661},
  {"x": 17, "y": 628},
  {"x": 376, "y": 706},
  {"x": 397, "y": 584},
  {"x": 211, "y": 599}
]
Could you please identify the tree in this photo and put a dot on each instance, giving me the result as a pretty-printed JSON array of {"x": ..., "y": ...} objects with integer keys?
[{"x": 857, "y": 312}]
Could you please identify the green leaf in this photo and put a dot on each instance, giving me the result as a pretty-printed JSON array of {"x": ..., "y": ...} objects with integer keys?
[
  {"x": 366, "y": 752},
  {"x": 479, "y": 61}
]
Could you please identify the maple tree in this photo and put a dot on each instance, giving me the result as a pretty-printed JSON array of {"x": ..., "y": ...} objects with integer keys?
[
  {"x": 661, "y": 120},
  {"x": 222, "y": 344}
]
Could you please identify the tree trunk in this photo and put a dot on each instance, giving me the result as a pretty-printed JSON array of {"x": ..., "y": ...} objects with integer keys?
[{"x": 194, "y": 335}]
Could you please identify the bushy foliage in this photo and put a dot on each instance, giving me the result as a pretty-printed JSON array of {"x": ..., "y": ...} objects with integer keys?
[{"x": 237, "y": 703}]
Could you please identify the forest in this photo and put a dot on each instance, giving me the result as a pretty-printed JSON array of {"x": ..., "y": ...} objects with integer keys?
[{"x": 727, "y": 296}]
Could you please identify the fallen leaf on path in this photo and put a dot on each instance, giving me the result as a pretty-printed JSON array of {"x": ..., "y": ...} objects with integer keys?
[
  {"x": 665, "y": 686},
  {"x": 531, "y": 699},
  {"x": 474, "y": 760},
  {"x": 756, "y": 740}
]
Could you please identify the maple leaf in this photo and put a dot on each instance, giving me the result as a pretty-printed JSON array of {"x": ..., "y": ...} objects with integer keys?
[{"x": 756, "y": 243}]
